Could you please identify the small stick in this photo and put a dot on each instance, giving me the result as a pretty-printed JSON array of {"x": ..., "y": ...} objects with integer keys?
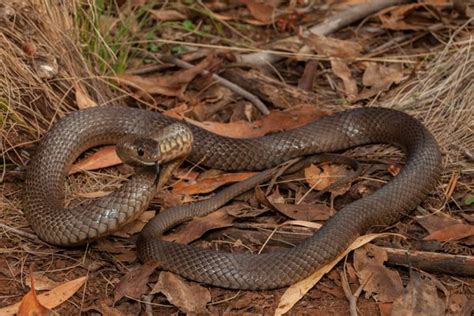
[
  {"x": 332, "y": 24},
  {"x": 232, "y": 86}
]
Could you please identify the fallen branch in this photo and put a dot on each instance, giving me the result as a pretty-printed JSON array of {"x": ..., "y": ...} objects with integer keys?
[
  {"x": 432, "y": 261},
  {"x": 332, "y": 24}
]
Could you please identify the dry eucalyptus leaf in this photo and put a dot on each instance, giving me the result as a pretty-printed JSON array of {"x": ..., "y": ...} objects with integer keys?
[
  {"x": 420, "y": 297},
  {"x": 190, "y": 298},
  {"x": 384, "y": 284},
  {"x": 342, "y": 70},
  {"x": 379, "y": 78},
  {"x": 133, "y": 284}
]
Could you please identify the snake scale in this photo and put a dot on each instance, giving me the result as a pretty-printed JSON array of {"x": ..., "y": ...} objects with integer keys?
[{"x": 73, "y": 134}]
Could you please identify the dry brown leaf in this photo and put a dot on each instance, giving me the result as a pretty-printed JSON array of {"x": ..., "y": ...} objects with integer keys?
[
  {"x": 385, "y": 284},
  {"x": 419, "y": 298},
  {"x": 136, "y": 226},
  {"x": 133, "y": 284},
  {"x": 42, "y": 282},
  {"x": 379, "y": 78},
  {"x": 276, "y": 121},
  {"x": 53, "y": 298},
  {"x": 333, "y": 47},
  {"x": 296, "y": 291},
  {"x": 200, "y": 225},
  {"x": 167, "y": 15},
  {"x": 30, "y": 306},
  {"x": 395, "y": 17},
  {"x": 453, "y": 232},
  {"x": 319, "y": 178},
  {"x": 302, "y": 212},
  {"x": 436, "y": 222},
  {"x": 105, "y": 157},
  {"x": 83, "y": 100},
  {"x": 190, "y": 298},
  {"x": 170, "y": 85},
  {"x": 342, "y": 70},
  {"x": 259, "y": 10},
  {"x": 210, "y": 184}
]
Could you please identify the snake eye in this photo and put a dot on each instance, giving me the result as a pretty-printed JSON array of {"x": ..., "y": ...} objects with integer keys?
[{"x": 140, "y": 151}]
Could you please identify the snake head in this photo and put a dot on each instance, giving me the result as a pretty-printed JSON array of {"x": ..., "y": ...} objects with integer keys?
[{"x": 138, "y": 151}]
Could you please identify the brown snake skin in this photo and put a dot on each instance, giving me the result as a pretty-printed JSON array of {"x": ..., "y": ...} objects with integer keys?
[{"x": 44, "y": 193}]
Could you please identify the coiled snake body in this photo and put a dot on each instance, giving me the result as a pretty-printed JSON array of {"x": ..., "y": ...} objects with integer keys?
[{"x": 44, "y": 193}]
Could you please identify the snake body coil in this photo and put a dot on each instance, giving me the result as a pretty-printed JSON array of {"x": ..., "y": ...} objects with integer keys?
[{"x": 44, "y": 194}]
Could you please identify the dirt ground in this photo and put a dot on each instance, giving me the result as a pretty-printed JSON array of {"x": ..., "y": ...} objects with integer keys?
[{"x": 417, "y": 57}]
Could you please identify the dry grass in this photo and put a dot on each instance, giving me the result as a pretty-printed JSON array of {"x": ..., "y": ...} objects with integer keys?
[{"x": 37, "y": 88}]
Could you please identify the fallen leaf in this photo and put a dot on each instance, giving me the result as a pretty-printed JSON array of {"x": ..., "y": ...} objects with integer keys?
[
  {"x": 298, "y": 290},
  {"x": 379, "y": 78},
  {"x": 105, "y": 157},
  {"x": 435, "y": 222},
  {"x": 276, "y": 121},
  {"x": 333, "y": 47},
  {"x": 136, "y": 226},
  {"x": 42, "y": 282},
  {"x": 453, "y": 232},
  {"x": 342, "y": 70},
  {"x": 53, "y": 298},
  {"x": 190, "y": 298},
  {"x": 319, "y": 178},
  {"x": 303, "y": 212},
  {"x": 200, "y": 225},
  {"x": 384, "y": 284},
  {"x": 170, "y": 85},
  {"x": 259, "y": 10},
  {"x": 133, "y": 284},
  {"x": 419, "y": 298},
  {"x": 167, "y": 15},
  {"x": 83, "y": 100},
  {"x": 210, "y": 184},
  {"x": 29, "y": 305}
]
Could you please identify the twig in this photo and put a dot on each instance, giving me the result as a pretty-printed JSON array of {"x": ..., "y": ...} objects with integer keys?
[
  {"x": 232, "y": 86},
  {"x": 352, "y": 298},
  {"x": 20, "y": 233},
  {"x": 329, "y": 26}
]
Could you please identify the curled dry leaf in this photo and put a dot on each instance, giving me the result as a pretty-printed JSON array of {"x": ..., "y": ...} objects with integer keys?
[
  {"x": 419, "y": 298},
  {"x": 385, "y": 284},
  {"x": 52, "y": 298},
  {"x": 259, "y": 10},
  {"x": 200, "y": 225},
  {"x": 379, "y": 78},
  {"x": 342, "y": 70},
  {"x": 301, "y": 212},
  {"x": 170, "y": 85},
  {"x": 210, "y": 184},
  {"x": 30, "y": 305},
  {"x": 320, "y": 178},
  {"x": 133, "y": 284},
  {"x": 41, "y": 282},
  {"x": 136, "y": 226},
  {"x": 296, "y": 291},
  {"x": 190, "y": 298},
  {"x": 453, "y": 232},
  {"x": 83, "y": 100}
]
